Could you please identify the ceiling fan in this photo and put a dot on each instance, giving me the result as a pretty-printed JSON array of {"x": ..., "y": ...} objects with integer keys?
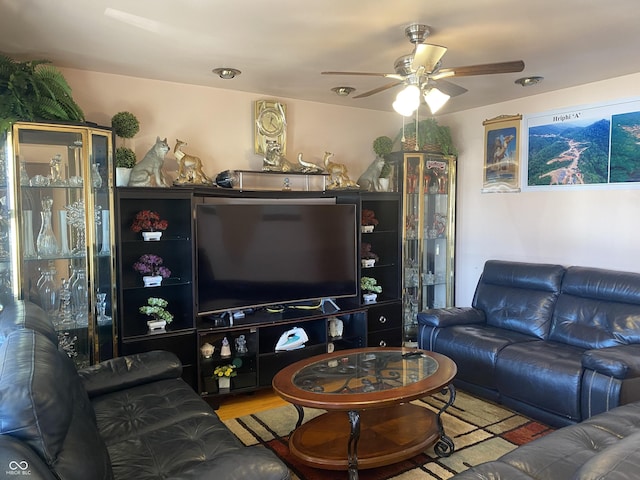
[{"x": 423, "y": 76}]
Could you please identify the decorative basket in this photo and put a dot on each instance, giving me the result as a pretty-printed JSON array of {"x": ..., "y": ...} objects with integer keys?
[
  {"x": 432, "y": 148},
  {"x": 409, "y": 144}
]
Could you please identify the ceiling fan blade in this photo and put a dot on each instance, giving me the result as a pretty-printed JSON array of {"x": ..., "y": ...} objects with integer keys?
[
  {"x": 368, "y": 74},
  {"x": 449, "y": 88},
  {"x": 427, "y": 56},
  {"x": 379, "y": 89},
  {"x": 485, "y": 69}
]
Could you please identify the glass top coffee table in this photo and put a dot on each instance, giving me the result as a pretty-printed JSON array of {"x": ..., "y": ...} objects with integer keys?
[{"x": 370, "y": 421}]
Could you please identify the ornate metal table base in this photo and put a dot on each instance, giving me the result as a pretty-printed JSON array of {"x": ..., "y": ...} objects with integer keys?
[{"x": 443, "y": 446}]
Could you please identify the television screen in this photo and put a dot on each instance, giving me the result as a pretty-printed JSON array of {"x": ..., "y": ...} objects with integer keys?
[{"x": 251, "y": 255}]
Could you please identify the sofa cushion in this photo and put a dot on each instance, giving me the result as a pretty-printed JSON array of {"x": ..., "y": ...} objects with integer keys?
[
  {"x": 542, "y": 373},
  {"x": 43, "y": 404},
  {"x": 139, "y": 409},
  {"x": 16, "y": 315},
  {"x": 597, "y": 308},
  {"x": 163, "y": 429},
  {"x": 616, "y": 462},
  {"x": 475, "y": 349},
  {"x": 519, "y": 296}
]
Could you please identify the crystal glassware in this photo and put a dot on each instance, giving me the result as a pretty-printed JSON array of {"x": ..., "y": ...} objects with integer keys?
[{"x": 46, "y": 243}]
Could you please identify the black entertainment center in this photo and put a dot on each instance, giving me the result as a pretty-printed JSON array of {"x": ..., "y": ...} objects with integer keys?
[{"x": 251, "y": 266}]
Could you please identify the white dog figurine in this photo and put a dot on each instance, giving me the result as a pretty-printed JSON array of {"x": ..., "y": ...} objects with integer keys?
[{"x": 149, "y": 169}]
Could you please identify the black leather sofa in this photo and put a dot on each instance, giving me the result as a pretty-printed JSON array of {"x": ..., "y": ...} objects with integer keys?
[
  {"x": 557, "y": 344},
  {"x": 127, "y": 418},
  {"x": 603, "y": 447}
]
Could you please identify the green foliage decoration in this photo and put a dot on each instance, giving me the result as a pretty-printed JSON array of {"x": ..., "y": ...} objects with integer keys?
[
  {"x": 34, "y": 91},
  {"x": 125, "y": 124},
  {"x": 383, "y": 146},
  {"x": 125, "y": 157},
  {"x": 370, "y": 284},
  {"x": 430, "y": 133}
]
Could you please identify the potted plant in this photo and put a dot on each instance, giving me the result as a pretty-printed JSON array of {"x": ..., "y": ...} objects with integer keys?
[
  {"x": 223, "y": 374},
  {"x": 125, "y": 125},
  {"x": 151, "y": 268},
  {"x": 371, "y": 289},
  {"x": 34, "y": 90},
  {"x": 156, "y": 309},
  {"x": 368, "y": 220},
  {"x": 367, "y": 258},
  {"x": 150, "y": 224},
  {"x": 125, "y": 161},
  {"x": 383, "y": 146},
  {"x": 429, "y": 136}
]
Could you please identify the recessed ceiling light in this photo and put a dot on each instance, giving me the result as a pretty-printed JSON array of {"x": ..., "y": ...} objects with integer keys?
[
  {"x": 226, "y": 73},
  {"x": 343, "y": 91},
  {"x": 529, "y": 81}
]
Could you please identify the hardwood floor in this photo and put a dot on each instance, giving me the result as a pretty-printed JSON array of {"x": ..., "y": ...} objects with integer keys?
[{"x": 234, "y": 406}]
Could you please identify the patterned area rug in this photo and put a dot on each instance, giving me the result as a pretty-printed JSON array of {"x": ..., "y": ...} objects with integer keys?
[{"x": 481, "y": 430}]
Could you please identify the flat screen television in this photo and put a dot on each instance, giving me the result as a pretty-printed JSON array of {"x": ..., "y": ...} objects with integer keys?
[{"x": 251, "y": 255}]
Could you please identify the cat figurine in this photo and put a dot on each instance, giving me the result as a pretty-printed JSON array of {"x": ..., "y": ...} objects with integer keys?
[{"x": 149, "y": 169}]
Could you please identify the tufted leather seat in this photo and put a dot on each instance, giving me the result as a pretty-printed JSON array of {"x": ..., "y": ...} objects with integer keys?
[
  {"x": 558, "y": 344},
  {"x": 129, "y": 417},
  {"x": 604, "y": 447}
]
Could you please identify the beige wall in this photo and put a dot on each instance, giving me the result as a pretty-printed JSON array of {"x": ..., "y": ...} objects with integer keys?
[
  {"x": 597, "y": 228},
  {"x": 218, "y": 124},
  {"x": 587, "y": 227}
]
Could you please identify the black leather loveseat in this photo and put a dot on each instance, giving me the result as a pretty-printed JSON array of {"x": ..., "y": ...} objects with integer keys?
[
  {"x": 558, "y": 344},
  {"x": 127, "y": 418}
]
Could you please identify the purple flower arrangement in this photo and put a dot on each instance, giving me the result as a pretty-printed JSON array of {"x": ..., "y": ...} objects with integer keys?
[{"x": 151, "y": 265}]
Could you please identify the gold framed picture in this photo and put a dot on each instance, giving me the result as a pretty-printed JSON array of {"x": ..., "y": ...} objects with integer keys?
[
  {"x": 501, "y": 171},
  {"x": 270, "y": 123}
]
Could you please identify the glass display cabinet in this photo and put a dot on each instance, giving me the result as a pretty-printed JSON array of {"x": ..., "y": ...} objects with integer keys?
[
  {"x": 55, "y": 230},
  {"x": 428, "y": 237}
]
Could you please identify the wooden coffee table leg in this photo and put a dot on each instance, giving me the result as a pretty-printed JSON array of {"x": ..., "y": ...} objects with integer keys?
[
  {"x": 444, "y": 447},
  {"x": 352, "y": 449}
]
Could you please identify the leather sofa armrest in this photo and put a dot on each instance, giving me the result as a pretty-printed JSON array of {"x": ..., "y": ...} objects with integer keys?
[
  {"x": 622, "y": 361},
  {"x": 446, "y": 317},
  {"x": 17, "y": 460},
  {"x": 124, "y": 372}
]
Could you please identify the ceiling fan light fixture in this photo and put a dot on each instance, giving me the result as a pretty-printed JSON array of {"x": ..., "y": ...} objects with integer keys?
[
  {"x": 435, "y": 99},
  {"x": 343, "y": 91},
  {"x": 226, "y": 73},
  {"x": 407, "y": 100}
]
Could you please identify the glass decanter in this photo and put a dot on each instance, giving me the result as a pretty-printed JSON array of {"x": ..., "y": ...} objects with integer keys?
[
  {"x": 46, "y": 243},
  {"x": 48, "y": 291},
  {"x": 80, "y": 296}
]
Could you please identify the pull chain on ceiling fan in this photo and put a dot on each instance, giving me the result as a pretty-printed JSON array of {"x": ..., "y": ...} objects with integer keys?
[{"x": 423, "y": 77}]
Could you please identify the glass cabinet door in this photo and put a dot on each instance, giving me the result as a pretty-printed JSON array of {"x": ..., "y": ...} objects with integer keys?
[
  {"x": 428, "y": 236},
  {"x": 58, "y": 200}
]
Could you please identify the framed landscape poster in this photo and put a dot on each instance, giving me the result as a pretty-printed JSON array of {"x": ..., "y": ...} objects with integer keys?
[
  {"x": 502, "y": 154},
  {"x": 592, "y": 146}
]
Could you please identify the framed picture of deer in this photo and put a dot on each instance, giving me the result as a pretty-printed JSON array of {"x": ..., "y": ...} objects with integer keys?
[{"x": 501, "y": 171}]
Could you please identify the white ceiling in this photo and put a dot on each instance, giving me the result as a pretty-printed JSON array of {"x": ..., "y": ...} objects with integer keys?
[{"x": 281, "y": 46}]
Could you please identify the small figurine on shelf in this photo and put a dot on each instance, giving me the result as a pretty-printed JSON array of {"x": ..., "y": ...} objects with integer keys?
[
  {"x": 54, "y": 166},
  {"x": 207, "y": 350},
  {"x": 225, "y": 350},
  {"x": 241, "y": 345}
]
